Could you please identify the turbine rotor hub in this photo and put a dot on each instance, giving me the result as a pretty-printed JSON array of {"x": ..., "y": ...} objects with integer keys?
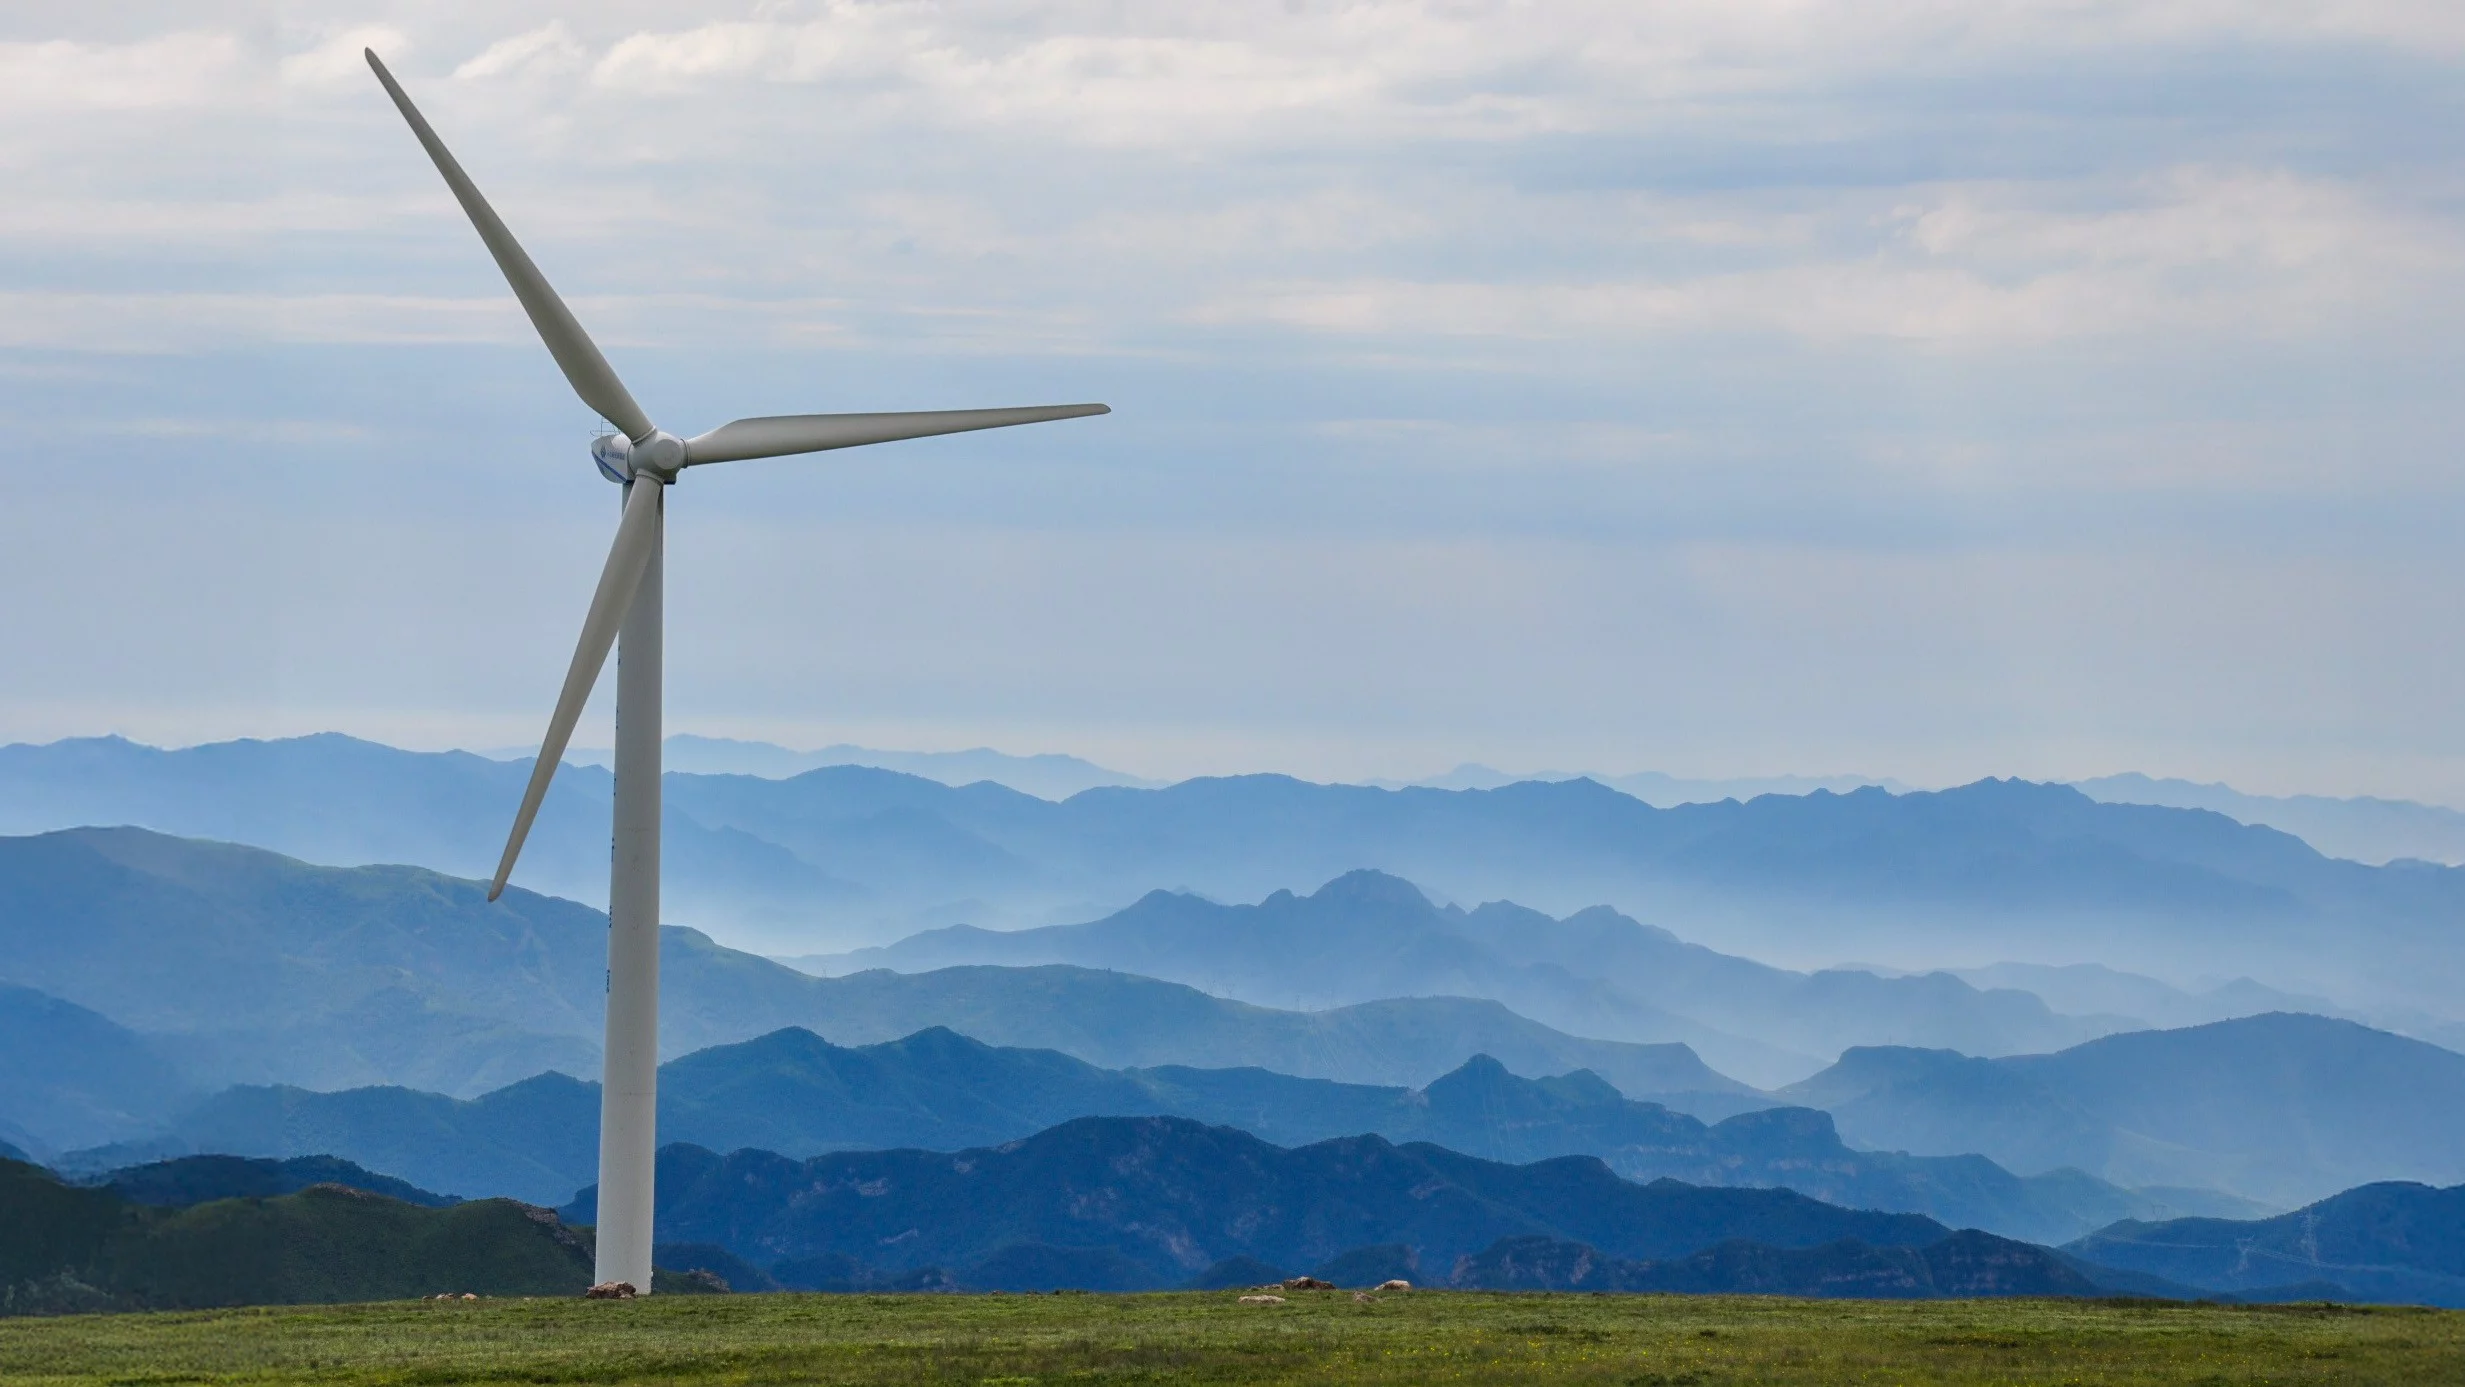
[{"x": 620, "y": 459}]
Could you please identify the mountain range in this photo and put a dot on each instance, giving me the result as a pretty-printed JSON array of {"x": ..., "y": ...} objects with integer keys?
[
  {"x": 1652, "y": 787},
  {"x": 1170, "y": 1198},
  {"x": 845, "y": 856},
  {"x": 1134, "y": 1203},
  {"x": 2386, "y": 1242},
  {"x": 241, "y": 966},
  {"x": 2091, "y": 989},
  {"x": 1138, "y": 1200},
  {"x": 2148, "y": 1012},
  {"x": 1046, "y": 776},
  {"x": 326, "y": 978},
  {"x": 2282, "y": 1109},
  {"x": 1368, "y": 935},
  {"x": 797, "y": 1095},
  {"x": 2364, "y": 828},
  {"x": 1126, "y": 1204}
]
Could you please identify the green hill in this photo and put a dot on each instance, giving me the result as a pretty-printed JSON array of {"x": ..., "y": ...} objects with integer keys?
[
  {"x": 187, "y": 1180},
  {"x": 64, "y": 1248}
]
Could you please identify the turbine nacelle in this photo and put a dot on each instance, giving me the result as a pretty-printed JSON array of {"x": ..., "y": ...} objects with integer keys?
[
  {"x": 660, "y": 456},
  {"x": 614, "y": 454}
]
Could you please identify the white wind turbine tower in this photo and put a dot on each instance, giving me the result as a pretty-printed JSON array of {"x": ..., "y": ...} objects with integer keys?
[{"x": 645, "y": 460}]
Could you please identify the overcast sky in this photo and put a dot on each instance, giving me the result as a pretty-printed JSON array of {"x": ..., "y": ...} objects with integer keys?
[{"x": 1714, "y": 386}]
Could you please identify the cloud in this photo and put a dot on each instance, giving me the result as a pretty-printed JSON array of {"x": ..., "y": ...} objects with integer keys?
[
  {"x": 199, "y": 322},
  {"x": 340, "y": 60},
  {"x": 682, "y": 61},
  {"x": 2203, "y": 251},
  {"x": 169, "y": 70},
  {"x": 2257, "y": 221},
  {"x": 549, "y": 49},
  {"x": 1644, "y": 346},
  {"x": 207, "y": 322}
]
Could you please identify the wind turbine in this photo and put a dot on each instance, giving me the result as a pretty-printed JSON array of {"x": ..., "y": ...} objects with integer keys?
[{"x": 646, "y": 461}]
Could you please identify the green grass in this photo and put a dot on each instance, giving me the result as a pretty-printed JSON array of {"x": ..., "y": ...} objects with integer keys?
[{"x": 1188, "y": 1338}]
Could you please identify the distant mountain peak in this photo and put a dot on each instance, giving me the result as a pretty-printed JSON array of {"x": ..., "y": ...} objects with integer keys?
[
  {"x": 1480, "y": 1070},
  {"x": 2005, "y": 789},
  {"x": 1369, "y": 886},
  {"x": 2265, "y": 1027},
  {"x": 787, "y": 1040},
  {"x": 1481, "y": 1084},
  {"x": 940, "y": 1041},
  {"x": 1790, "y": 1126}
]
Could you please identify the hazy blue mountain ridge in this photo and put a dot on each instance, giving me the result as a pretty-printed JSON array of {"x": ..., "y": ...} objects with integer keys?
[
  {"x": 1367, "y": 934},
  {"x": 340, "y": 801},
  {"x": 1963, "y": 877},
  {"x": 1362, "y": 937},
  {"x": 1175, "y": 1197},
  {"x": 1145, "y": 1203},
  {"x": 2364, "y": 828},
  {"x": 795, "y": 1094},
  {"x": 271, "y": 970},
  {"x": 1046, "y": 776},
  {"x": 72, "y": 1077},
  {"x": 2280, "y": 1108},
  {"x": 1122, "y": 1021},
  {"x": 163, "y": 934},
  {"x": 2390, "y": 1241},
  {"x": 2086, "y": 989},
  {"x": 2089, "y": 990},
  {"x": 1652, "y": 787},
  {"x": 536, "y": 1141}
]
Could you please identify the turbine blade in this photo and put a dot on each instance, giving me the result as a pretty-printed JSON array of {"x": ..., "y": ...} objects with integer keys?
[
  {"x": 589, "y": 373},
  {"x": 627, "y": 557},
  {"x": 781, "y": 434}
]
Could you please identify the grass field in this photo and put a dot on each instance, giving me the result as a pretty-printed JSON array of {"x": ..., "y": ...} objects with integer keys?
[{"x": 1316, "y": 1337}]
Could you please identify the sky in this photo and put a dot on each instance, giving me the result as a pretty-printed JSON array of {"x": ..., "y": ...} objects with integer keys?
[{"x": 1720, "y": 387}]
